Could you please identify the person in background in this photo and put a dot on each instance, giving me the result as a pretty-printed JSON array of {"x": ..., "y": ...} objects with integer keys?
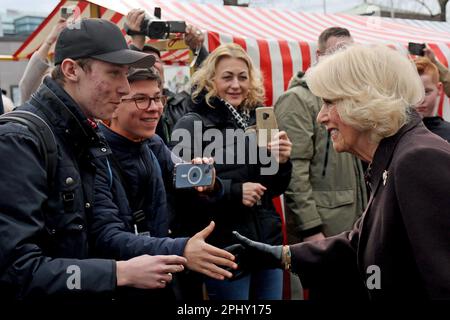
[
  {"x": 177, "y": 104},
  {"x": 226, "y": 91},
  {"x": 39, "y": 66},
  {"x": 327, "y": 192},
  {"x": 427, "y": 108},
  {"x": 399, "y": 248},
  {"x": 444, "y": 73}
]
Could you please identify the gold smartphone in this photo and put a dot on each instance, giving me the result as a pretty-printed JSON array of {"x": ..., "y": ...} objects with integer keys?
[{"x": 266, "y": 125}]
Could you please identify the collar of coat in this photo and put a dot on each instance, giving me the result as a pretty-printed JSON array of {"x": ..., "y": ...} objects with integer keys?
[
  {"x": 121, "y": 143},
  {"x": 384, "y": 153},
  {"x": 65, "y": 115}
]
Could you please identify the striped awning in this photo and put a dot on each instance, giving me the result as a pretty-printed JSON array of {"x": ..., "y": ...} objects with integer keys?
[{"x": 279, "y": 42}]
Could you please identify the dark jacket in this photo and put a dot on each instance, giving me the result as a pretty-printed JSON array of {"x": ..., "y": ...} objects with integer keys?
[
  {"x": 438, "y": 126},
  {"x": 112, "y": 224},
  {"x": 140, "y": 173},
  {"x": 404, "y": 231},
  {"x": 177, "y": 105},
  {"x": 260, "y": 222},
  {"x": 43, "y": 230}
]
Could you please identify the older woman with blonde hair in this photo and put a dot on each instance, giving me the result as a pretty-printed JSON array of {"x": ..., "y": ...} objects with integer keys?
[
  {"x": 400, "y": 247},
  {"x": 226, "y": 91}
]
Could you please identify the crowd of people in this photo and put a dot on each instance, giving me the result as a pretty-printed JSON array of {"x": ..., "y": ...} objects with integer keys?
[{"x": 361, "y": 157}]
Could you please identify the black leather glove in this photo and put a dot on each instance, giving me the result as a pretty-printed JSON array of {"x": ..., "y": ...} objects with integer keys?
[
  {"x": 238, "y": 251},
  {"x": 260, "y": 255}
]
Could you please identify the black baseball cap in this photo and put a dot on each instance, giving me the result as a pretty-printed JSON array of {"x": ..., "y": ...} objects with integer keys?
[{"x": 98, "y": 39}]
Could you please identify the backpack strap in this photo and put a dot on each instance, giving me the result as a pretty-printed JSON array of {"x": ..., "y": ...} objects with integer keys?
[
  {"x": 136, "y": 205},
  {"x": 43, "y": 132}
]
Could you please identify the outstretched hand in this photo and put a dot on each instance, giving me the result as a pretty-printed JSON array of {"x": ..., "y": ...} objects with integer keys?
[
  {"x": 261, "y": 255},
  {"x": 207, "y": 259}
]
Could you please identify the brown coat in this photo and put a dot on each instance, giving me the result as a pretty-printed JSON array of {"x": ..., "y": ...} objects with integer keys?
[{"x": 405, "y": 230}]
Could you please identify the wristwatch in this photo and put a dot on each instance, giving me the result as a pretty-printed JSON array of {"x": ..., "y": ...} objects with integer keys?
[{"x": 286, "y": 258}]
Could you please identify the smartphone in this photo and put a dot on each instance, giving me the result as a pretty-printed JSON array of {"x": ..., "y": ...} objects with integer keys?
[
  {"x": 189, "y": 175},
  {"x": 266, "y": 125},
  {"x": 416, "y": 48},
  {"x": 66, "y": 12}
]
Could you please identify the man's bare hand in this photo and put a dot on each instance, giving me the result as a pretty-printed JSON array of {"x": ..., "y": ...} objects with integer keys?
[
  {"x": 205, "y": 258},
  {"x": 148, "y": 272}
]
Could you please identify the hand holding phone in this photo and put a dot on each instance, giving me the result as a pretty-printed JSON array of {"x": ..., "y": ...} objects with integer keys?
[
  {"x": 66, "y": 12},
  {"x": 190, "y": 175},
  {"x": 266, "y": 125},
  {"x": 416, "y": 49}
]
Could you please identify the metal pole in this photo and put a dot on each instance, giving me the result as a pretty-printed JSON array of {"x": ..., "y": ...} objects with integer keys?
[
  {"x": 392, "y": 9},
  {"x": 324, "y": 6}
]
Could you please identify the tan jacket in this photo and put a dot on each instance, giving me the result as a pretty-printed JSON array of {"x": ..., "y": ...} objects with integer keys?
[{"x": 327, "y": 189}]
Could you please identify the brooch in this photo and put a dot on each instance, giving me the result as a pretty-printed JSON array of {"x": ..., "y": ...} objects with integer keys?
[{"x": 385, "y": 176}]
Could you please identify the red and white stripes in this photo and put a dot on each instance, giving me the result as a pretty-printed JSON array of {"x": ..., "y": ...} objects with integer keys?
[{"x": 280, "y": 42}]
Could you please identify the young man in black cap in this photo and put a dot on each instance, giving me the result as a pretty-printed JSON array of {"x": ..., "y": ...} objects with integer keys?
[{"x": 44, "y": 215}]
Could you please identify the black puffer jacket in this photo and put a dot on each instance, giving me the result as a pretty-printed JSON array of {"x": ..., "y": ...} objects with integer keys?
[
  {"x": 261, "y": 222},
  {"x": 43, "y": 233}
]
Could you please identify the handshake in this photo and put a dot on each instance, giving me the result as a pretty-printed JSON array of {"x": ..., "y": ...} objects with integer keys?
[{"x": 253, "y": 255}]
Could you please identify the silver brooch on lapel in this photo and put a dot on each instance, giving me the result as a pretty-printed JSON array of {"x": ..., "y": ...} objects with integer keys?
[{"x": 385, "y": 176}]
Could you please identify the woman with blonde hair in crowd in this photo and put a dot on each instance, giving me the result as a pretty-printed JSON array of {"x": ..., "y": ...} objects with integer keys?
[{"x": 225, "y": 92}]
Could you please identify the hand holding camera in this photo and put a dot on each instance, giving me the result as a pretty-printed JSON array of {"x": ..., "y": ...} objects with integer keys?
[
  {"x": 416, "y": 49},
  {"x": 138, "y": 23},
  {"x": 200, "y": 174},
  {"x": 194, "y": 38},
  {"x": 66, "y": 12}
]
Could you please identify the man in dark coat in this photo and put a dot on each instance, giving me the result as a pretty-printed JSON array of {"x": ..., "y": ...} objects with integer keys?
[{"x": 43, "y": 219}]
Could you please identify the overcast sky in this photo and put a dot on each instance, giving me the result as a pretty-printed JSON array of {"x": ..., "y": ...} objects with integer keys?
[{"x": 45, "y": 6}]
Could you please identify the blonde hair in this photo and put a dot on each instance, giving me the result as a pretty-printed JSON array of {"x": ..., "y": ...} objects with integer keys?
[
  {"x": 203, "y": 78},
  {"x": 373, "y": 86}
]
